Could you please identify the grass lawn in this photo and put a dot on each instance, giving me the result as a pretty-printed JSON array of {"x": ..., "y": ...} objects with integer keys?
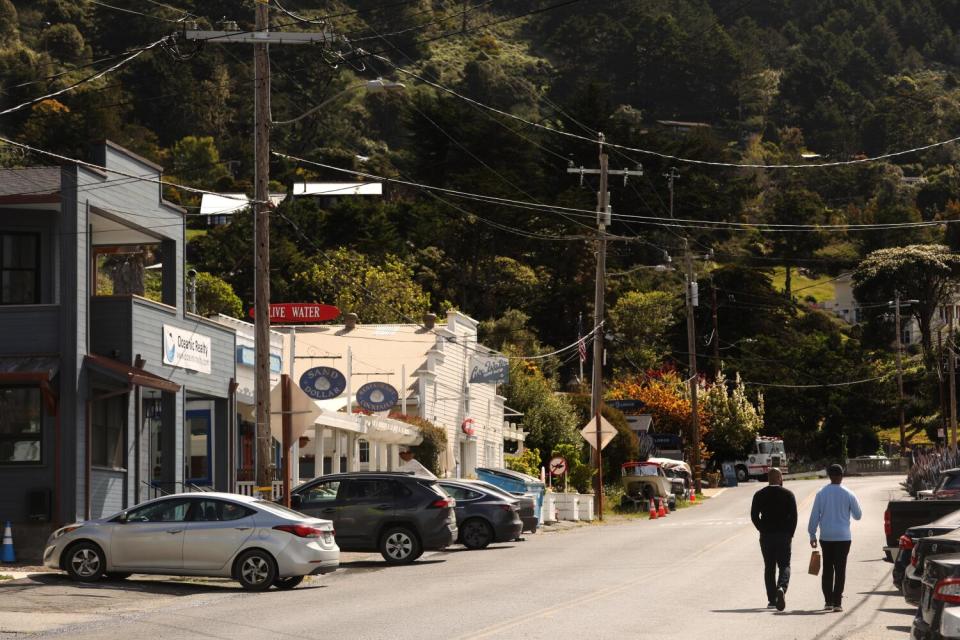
[
  {"x": 195, "y": 233},
  {"x": 819, "y": 287},
  {"x": 915, "y": 435}
]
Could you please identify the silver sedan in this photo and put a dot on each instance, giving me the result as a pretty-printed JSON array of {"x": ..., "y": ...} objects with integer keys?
[{"x": 255, "y": 542}]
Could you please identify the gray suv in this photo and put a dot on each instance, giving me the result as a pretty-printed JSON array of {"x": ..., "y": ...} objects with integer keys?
[{"x": 398, "y": 514}]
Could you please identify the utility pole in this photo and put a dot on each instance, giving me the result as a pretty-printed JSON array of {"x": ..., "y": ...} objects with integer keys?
[
  {"x": 692, "y": 301},
  {"x": 261, "y": 38},
  {"x": 604, "y": 218},
  {"x": 953, "y": 382},
  {"x": 671, "y": 175},
  {"x": 903, "y": 429},
  {"x": 716, "y": 332},
  {"x": 261, "y": 215}
]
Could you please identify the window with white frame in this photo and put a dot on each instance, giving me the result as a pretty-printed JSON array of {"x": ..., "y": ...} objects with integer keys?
[{"x": 364, "y": 451}]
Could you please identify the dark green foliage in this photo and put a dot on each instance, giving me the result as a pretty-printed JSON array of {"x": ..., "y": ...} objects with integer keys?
[
  {"x": 623, "y": 448},
  {"x": 429, "y": 451}
]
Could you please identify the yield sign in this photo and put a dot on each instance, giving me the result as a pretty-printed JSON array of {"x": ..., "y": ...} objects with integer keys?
[{"x": 607, "y": 432}]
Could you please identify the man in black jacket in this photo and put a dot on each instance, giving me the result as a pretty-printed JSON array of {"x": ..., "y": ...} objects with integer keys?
[{"x": 774, "y": 514}]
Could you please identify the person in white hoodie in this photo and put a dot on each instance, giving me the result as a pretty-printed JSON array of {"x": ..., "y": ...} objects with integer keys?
[{"x": 832, "y": 510}]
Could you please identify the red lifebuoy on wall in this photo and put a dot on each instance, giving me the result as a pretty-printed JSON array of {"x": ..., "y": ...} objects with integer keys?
[{"x": 467, "y": 426}]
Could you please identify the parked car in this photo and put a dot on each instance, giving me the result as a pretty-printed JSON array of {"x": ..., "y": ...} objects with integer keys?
[
  {"x": 938, "y": 616},
  {"x": 900, "y": 515},
  {"x": 396, "y": 513},
  {"x": 258, "y": 543},
  {"x": 924, "y": 549},
  {"x": 483, "y": 516},
  {"x": 643, "y": 482},
  {"x": 527, "y": 503},
  {"x": 910, "y": 586}
]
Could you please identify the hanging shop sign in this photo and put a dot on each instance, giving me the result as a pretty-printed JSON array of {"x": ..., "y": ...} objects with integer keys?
[
  {"x": 300, "y": 312},
  {"x": 377, "y": 396},
  {"x": 323, "y": 383},
  {"x": 491, "y": 369},
  {"x": 186, "y": 349}
]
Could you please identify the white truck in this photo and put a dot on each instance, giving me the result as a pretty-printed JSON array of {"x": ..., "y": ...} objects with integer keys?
[{"x": 767, "y": 452}]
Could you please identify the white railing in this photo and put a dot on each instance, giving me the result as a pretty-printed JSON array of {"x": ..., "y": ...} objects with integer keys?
[{"x": 248, "y": 488}]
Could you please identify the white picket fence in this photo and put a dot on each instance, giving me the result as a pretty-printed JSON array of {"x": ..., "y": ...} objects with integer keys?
[{"x": 248, "y": 488}]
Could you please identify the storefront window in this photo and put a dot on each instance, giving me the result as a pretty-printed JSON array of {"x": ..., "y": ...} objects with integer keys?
[
  {"x": 21, "y": 413},
  {"x": 364, "y": 451},
  {"x": 109, "y": 421},
  {"x": 19, "y": 268},
  {"x": 153, "y": 421},
  {"x": 197, "y": 446}
]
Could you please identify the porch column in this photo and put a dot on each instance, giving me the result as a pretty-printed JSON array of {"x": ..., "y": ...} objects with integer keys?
[{"x": 318, "y": 454}]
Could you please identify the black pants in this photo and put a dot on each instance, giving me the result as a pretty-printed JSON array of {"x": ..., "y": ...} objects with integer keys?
[
  {"x": 776, "y": 555},
  {"x": 834, "y": 570}
]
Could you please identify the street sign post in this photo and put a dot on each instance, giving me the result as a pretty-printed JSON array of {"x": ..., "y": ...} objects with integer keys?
[{"x": 607, "y": 432}]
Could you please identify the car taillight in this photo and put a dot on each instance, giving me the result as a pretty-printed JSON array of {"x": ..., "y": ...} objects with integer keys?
[
  {"x": 906, "y": 542},
  {"x": 887, "y": 528},
  {"x": 300, "y": 530},
  {"x": 443, "y": 503},
  {"x": 508, "y": 507},
  {"x": 947, "y": 590}
]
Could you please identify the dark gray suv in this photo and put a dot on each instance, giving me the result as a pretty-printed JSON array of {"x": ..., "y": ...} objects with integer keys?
[{"x": 398, "y": 514}]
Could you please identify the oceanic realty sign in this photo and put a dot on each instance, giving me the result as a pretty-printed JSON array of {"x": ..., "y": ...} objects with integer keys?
[
  {"x": 186, "y": 349},
  {"x": 494, "y": 369}
]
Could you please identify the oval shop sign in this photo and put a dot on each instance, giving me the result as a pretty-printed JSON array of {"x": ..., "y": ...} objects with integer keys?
[
  {"x": 323, "y": 383},
  {"x": 377, "y": 396}
]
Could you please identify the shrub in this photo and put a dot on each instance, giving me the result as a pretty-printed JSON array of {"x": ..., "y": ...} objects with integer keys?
[
  {"x": 429, "y": 452},
  {"x": 527, "y": 462}
]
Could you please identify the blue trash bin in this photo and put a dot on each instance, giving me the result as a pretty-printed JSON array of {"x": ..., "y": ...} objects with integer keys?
[{"x": 515, "y": 482}]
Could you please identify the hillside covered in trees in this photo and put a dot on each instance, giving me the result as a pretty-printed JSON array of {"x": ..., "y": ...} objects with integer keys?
[{"x": 727, "y": 82}]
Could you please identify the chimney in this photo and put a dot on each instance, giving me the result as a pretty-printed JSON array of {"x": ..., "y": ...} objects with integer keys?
[
  {"x": 429, "y": 321},
  {"x": 350, "y": 321}
]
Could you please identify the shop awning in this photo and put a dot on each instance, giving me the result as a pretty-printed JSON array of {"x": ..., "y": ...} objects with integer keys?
[
  {"x": 39, "y": 370},
  {"x": 34, "y": 369},
  {"x": 127, "y": 374}
]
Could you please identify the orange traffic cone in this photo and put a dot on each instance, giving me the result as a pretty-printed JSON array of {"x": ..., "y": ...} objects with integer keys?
[
  {"x": 653, "y": 510},
  {"x": 661, "y": 512},
  {"x": 693, "y": 496}
]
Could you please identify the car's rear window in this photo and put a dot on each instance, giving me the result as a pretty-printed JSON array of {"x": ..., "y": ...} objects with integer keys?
[{"x": 278, "y": 509}]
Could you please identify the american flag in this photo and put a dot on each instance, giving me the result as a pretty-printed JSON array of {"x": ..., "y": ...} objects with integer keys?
[{"x": 581, "y": 342}]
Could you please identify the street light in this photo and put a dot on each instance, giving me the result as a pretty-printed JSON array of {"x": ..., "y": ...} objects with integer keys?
[{"x": 370, "y": 86}]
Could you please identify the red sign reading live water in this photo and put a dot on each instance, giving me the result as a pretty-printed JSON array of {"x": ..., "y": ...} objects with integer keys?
[{"x": 297, "y": 312}]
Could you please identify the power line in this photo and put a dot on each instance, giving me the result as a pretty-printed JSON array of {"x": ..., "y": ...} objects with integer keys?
[
  {"x": 90, "y": 78},
  {"x": 667, "y": 156},
  {"x": 137, "y": 13}
]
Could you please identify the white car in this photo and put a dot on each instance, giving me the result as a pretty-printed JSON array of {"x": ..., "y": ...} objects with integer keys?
[{"x": 258, "y": 543}]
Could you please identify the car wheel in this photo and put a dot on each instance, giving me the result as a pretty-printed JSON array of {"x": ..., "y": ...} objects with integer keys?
[
  {"x": 742, "y": 475},
  {"x": 117, "y": 576},
  {"x": 256, "y": 570},
  {"x": 287, "y": 583},
  {"x": 85, "y": 562},
  {"x": 476, "y": 534},
  {"x": 399, "y": 545}
]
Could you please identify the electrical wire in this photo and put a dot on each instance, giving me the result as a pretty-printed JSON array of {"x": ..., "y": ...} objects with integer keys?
[
  {"x": 137, "y": 13},
  {"x": 90, "y": 78},
  {"x": 667, "y": 156}
]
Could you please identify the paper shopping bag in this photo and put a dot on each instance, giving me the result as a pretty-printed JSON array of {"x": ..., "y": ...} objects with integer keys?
[{"x": 814, "y": 567}]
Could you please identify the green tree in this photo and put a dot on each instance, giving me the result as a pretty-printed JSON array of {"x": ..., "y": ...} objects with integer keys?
[
  {"x": 623, "y": 448},
  {"x": 922, "y": 272},
  {"x": 641, "y": 321},
  {"x": 196, "y": 161},
  {"x": 795, "y": 205},
  {"x": 548, "y": 418},
  {"x": 64, "y": 42},
  {"x": 735, "y": 421},
  {"x": 383, "y": 292},
  {"x": 215, "y": 295}
]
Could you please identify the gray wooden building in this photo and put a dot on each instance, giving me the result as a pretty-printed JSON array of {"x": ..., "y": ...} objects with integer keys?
[{"x": 109, "y": 391}]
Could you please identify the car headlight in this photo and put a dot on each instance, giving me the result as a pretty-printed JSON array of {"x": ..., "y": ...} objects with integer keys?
[{"x": 65, "y": 530}]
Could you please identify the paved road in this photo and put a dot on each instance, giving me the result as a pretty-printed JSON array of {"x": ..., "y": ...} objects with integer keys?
[{"x": 696, "y": 574}]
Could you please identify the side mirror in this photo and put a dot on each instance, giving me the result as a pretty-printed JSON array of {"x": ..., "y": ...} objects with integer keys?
[
  {"x": 122, "y": 519},
  {"x": 295, "y": 501}
]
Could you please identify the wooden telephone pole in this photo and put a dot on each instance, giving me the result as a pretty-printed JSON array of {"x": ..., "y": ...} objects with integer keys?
[
  {"x": 604, "y": 218},
  {"x": 261, "y": 38}
]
